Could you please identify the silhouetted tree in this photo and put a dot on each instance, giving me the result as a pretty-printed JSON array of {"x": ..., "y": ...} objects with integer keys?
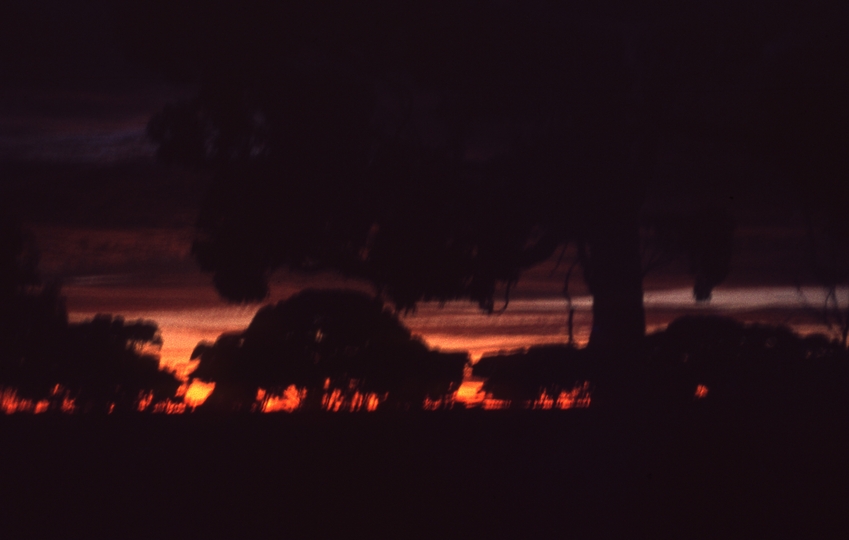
[
  {"x": 101, "y": 364},
  {"x": 703, "y": 238},
  {"x": 827, "y": 260},
  {"x": 522, "y": 378},
  {"x": 221, "y": 363},
  {"x": 796, "y": 117},
  {"x": 325, "y": 342},
  {"x": 32, "y": 319},
  {"x": 438, "y": 149},
  {"x": 18, "y": 259},
  {"x": 110, "y": 365},
  {"x": 743, "y": 365}
]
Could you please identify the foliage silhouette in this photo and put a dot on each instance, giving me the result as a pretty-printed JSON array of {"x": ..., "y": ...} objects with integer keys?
[
  {"x": 796, "y": 117},
  {"x": 827, "y": 260},
  {"x": 748, "y": 366},
  {"x": 32, "y": 318},
  {"x": 18, "y": 259},
  {"x": 32, "y": 330},
  {"x": 376, "y": 139},
  {"x": 522, "y": 378},
  {"x": 102, "y": 364},
  {"x": 438, "y": 149},
  {"x": 325, "y": 342},
  {"x": 704, "y": 239},
  {"x": 754, "y": 366},
  {"x": 109, "y": 366}
]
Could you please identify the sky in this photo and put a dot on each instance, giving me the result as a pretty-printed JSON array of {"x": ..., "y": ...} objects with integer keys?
[{"x": 115, "y": 227}]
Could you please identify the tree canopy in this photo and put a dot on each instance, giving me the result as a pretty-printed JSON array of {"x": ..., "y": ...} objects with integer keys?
[
  {"x": 325, "y": 342},
  {"x": 438, "y": 149},
  {"x": 103, "y": 364},
  {"x": 112, "y": 365}
]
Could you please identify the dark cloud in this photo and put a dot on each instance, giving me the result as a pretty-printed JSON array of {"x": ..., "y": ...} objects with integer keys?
[
  {"x": 63, "y": 44},
  {"x": 124, "y": 196},
  {"x": 67, "y": 92}
]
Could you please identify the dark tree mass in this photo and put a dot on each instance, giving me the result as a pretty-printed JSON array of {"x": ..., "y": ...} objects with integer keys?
[
  {"x": 101, "y": 365},
  {"x": 522, "y": 378},
  {"x": 110, "y": 370},
  {"x": 32, "y": 318},
  {"x": 428, "y": 151},
  {"x": 438, "y": 149},
  {"x": 747, "y": 367},
  {"x": 326, "y": 343}
]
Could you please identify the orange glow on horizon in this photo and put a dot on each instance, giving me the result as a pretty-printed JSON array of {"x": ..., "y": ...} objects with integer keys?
[
  {"x": 579, "y": 397},
  {"x": 40, "y": 407},
  {"x": 544, "y": 402},
  {"x": 10, "y": 403},
  {"x": 492, "y": 404},
  {"x": 196, "y": 392},
  {"x": 470, "y": 392},
  {"x": 288, "y": 402},
  {"x": 337, "y": 401},
  {"x": 170, "y": 407}
]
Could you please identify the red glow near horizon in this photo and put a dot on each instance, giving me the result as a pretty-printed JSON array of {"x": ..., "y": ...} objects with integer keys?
[
  {"x": 469, "y": 395},
  {"x": 579, "y": 397},
  {"x": 190, "y": 313},
  {"x": 10, "y": 403},
  {"x": 196, "y": 392},
  {"x": 288, "y": 402},
  {"x": 459, "y": 326}
]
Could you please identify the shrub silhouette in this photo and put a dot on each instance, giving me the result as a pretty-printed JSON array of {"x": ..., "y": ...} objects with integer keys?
[
  {"x": 326, "y": 342},
  {"x": 744, "y": 365},
  {"x": 754, "y": 366},
  {"x": 102, "y": 364},
  {"x": 523, "y": 377},
  {"x": 108, "y": 366}
]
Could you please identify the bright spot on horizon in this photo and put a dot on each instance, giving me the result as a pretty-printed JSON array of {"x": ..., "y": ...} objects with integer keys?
[
  {"x": 470, "y": 392},
  {"x": 197, "y": 392}
]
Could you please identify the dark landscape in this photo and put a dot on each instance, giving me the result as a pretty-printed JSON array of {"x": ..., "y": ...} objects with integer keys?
[
  {"x": 514, "y": 269},
  {"x": 455, "y": 474}
]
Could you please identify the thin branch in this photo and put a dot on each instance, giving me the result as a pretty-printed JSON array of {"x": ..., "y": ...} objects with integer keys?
[
  {"x": 559, "y": 260},
  {"x": 568, "y": 297},
  {"x": 506, "y": 298}
]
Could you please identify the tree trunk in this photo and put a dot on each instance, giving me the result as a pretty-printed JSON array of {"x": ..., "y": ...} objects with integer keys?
[
  {"x": 614, "y": 276},
  {"x": 613, "y": 272}
]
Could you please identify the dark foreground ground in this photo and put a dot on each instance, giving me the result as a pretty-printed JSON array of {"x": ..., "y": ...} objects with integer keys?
[{"x": 459, "y": 474}]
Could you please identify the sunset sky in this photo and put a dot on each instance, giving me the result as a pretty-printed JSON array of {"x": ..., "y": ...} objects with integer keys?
[{"x": 116, "y": 227}]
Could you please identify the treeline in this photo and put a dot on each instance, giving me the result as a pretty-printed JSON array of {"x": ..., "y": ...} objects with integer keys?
[
  {"x": 344, "y": 350},
  {"x": 697, "y": 361},
  {"x": 340, "y": 349},
  {"x": 101, "y": 365}
]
